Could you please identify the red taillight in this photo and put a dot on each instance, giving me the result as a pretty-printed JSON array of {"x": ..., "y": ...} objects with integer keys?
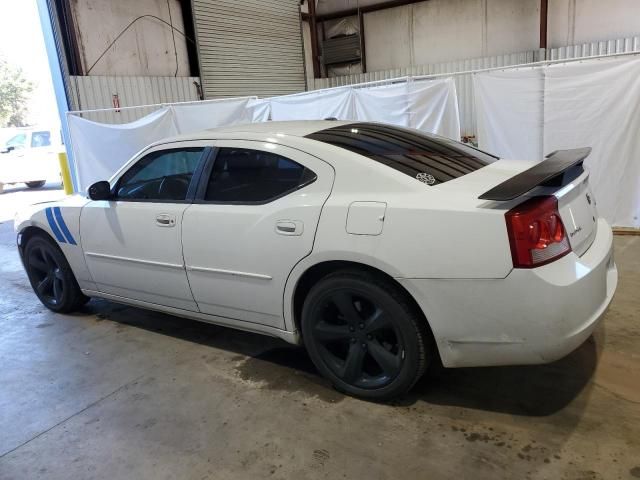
[{"x": 536, "y": 232}]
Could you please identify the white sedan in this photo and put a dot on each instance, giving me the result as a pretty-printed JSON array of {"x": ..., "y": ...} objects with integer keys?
[{"x": 382, "y": 249}]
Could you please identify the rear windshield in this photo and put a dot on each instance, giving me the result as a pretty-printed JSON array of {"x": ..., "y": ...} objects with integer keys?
[{"x": 429, "y": 158}]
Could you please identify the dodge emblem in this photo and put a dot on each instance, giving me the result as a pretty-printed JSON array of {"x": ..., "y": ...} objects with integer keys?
[{"x": 426, "y": 178}]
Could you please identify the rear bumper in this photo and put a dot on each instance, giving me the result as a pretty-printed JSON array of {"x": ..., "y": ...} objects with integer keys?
[{"x": 530, "y": 317}]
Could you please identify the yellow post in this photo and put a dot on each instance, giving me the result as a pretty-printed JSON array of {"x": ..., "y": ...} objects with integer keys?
[{"x": 66, "y": 175}]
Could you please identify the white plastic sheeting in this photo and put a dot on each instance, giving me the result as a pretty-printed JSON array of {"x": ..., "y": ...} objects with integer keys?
[
  {"x": 316, "y": 105},
  {"x": 592, "y": 103},
  {"x": 99, "y": 150},
  {"x": 194, "y": 117},
  {"x": 429, "y": 105}
]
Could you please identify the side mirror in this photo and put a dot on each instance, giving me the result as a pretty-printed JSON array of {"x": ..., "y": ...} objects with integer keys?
[{"x": 100, "y": 191}]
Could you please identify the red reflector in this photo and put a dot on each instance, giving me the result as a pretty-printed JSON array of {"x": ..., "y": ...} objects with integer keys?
[{"x": 536, "y": 232}]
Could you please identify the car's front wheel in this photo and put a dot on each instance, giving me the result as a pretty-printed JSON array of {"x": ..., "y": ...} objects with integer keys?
[
  {"x": 51, "y": 276},
  {"x": 363, "y": 334},
  {"x": 37, "y": 184}
]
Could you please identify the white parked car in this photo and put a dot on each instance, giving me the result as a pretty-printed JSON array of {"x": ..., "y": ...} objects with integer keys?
[
  {"x": 30, "y": 157},
  {"x": 380, "y": 248}
]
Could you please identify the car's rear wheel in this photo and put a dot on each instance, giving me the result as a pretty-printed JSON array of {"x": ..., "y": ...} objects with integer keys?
[
  {"x": 38, "y": 184},
  {"x": 51, "y": 276},
  {"x": 363, "y": 334}
]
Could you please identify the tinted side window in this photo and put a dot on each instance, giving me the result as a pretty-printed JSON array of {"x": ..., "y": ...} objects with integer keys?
[
  {"x": 244, "y": 175},
  {"x": 419, "y": 155},
  {"x": 164, "y": 175}
]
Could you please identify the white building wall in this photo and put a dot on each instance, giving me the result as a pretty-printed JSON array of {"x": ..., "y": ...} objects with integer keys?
[
  {"x": 574, "y": 22},
  {"x": 437, "y": 31},
  {"x": 145, "y": 49}
]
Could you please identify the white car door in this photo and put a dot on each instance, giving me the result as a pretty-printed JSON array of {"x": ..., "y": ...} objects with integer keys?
[
  {"x": 132, "y": 242},
  {"x": 254, "y": 218}
]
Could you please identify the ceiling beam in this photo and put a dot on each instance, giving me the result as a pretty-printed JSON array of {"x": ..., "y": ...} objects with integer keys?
[{"x": 367, "y": 9}]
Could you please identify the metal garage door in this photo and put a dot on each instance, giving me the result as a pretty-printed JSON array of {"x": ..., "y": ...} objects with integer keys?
[{"x": 249, "y": 47}]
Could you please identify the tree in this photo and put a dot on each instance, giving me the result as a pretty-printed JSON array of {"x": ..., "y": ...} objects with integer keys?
[{"x": 15, "y": 90}]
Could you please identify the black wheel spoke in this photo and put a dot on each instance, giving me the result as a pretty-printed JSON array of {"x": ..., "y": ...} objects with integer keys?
[
  {"x": 346, "y": 307},
  {"x": 48, "y": 259},
  {"x": 38, "y": 264},
  {"x": 387, "y": 361},
  {"x": 326, "y": 332},
  {"x": 353, "y": 364},
  {"x": 44, "y": 285},
  {"x": 57, "y": 289},
  {"x": 377, "y": 321}
]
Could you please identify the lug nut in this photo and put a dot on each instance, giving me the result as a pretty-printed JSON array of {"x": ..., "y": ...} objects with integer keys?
[
  {"x": 351, "y": 329},
  {"x": 364, "y": 345},
  {"x": 353, "y": 340},
  {"x": 361, "y": 326},
  {"x": 369, "y": 337}
]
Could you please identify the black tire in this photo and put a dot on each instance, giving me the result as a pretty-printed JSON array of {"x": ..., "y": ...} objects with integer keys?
[
  {"x": 349, "y": 315},
  {"x": 38, "y": 184},
  {"x": 51, "y": 276}
]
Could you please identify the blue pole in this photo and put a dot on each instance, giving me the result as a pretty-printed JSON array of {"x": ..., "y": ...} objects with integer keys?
[{"x": 58, "y": 84}]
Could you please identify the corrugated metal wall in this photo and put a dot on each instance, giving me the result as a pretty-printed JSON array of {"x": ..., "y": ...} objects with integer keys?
[
  {"x": 608, "y": 47},
  {"x": 96, "y": 92},
  {"x": 249, "y": 47}
]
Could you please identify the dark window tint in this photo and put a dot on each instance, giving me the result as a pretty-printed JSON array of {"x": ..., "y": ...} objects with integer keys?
[
  {"x": 243, "y": 175},
  {"x": 40, "y": 139},
  {"x": 163, "y": 175},
  {"x": 409, "y": 151}
]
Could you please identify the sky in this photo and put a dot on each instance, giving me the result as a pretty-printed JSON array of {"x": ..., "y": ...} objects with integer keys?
[{"x": 22, "y": 44}]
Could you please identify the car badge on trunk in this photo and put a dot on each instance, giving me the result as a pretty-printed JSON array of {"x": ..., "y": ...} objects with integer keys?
[{"x": 426, "y": 178}]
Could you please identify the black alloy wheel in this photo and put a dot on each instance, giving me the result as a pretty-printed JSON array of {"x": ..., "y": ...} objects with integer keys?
[
  {"x": 362, "y": 333},
  {"x": 51, "y": 276},
  {"x": 357, "y": 340}
]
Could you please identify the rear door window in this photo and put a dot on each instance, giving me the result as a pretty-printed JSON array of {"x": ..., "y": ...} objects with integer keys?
[
  {"x": 428, "y": 158},
  {"x": 242, "y": 175}
]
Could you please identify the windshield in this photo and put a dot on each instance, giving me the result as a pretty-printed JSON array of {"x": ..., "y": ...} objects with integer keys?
[
  {"x": 18, "y": 140},
  {"x": 426, "y": 157}
]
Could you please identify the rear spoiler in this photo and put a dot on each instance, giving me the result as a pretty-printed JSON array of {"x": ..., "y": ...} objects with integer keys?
[{"x": 553, "y": 166}]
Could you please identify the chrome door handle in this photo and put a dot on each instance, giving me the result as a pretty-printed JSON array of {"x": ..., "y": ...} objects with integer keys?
[
  {"x": 165, "y": 220},
  {"x": 289, "y": 227}
]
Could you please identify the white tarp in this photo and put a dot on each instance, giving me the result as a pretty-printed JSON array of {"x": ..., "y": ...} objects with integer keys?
[
  {"x": 198, "y": 116},
  {"x": 314, "y": 105},
  {"x": 428, "y": 105},
  {"x": 509, "y": 112},
  {"x": 592, "y": 103},
  {"x": 100, "y": 149}
]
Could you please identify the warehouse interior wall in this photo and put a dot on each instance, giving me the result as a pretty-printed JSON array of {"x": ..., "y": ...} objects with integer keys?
[
  {"x": 437, "y": 31},
  {"x": 145, "y": 49}
]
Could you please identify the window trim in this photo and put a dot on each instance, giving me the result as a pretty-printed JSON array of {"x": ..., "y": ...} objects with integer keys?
[
  {"x": 201, "y": 191},
  {"x": 193, "y": 183}
]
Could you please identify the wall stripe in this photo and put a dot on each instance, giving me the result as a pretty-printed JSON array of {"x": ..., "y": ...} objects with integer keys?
[
  {"x": 52, "y": 225},
  {"x": 63, "y": 226}
]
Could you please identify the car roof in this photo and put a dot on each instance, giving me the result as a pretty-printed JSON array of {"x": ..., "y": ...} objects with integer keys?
[{"x": 297, "y": 128}]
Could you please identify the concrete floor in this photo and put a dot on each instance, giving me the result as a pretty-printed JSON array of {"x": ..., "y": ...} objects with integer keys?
[{"x": 116, "y": 392}]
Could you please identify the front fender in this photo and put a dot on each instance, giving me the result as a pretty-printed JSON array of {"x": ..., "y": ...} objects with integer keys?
[{"x": 61, "y": 221}]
